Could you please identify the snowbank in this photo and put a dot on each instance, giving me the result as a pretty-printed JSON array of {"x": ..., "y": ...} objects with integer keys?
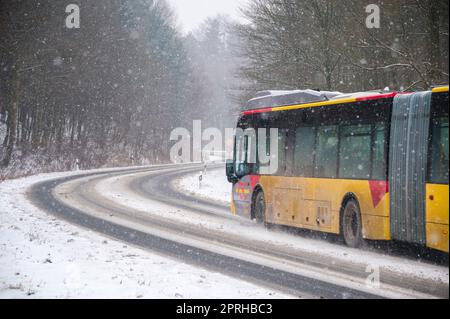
[{"x": 214, "y": 186}]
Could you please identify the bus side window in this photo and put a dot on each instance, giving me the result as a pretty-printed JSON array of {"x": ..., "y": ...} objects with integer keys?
[
  {"x": 282, "y": 150},
  {"x": 379, "y": 153},
  {"x": 439, "y": 170},
  {"x": 304, "y": 151},
  {"x": 267, "y": 161},
  {"x": 326, "y": 152},
  {"x": 354, "y": 153}
]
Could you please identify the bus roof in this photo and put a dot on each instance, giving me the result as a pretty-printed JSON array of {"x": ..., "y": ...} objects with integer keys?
[
  {"x": 440, "y": 89},
  {"x": 332, "y": 100},
  {"x": 265, "y": 99}
]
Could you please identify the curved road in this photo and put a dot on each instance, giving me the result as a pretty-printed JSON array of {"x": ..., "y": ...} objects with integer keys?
[{"x": 166, "y": 222}]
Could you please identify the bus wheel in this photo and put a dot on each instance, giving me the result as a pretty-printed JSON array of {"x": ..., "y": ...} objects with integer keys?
[
  {"x": 351, "y": 224},
  {"x": 259, "y": 207}
]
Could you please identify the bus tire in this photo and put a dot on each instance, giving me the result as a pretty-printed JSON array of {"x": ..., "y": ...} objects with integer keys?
[
  {"x": 351, "y": 224},
  {"x": 259, "y": 207}
]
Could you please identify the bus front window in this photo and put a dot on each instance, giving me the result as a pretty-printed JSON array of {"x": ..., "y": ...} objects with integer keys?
[{"x": 245, "y": 153}]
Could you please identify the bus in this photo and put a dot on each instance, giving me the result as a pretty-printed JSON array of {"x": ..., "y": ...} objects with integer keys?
[{"x": 366, "y": 166}]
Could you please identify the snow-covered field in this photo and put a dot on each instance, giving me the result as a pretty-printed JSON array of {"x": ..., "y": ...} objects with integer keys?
[
  {"x": 42, "y": 257},
  {"x": 214, "y": 185}
]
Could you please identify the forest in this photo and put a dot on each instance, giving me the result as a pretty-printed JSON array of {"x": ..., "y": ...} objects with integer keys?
[{"x": 110, "y": 92}]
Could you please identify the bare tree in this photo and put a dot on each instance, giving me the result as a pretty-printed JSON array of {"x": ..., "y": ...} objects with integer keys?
[
  {"x": 106, "y": 94},
  {"x": 323, "y": 44}
]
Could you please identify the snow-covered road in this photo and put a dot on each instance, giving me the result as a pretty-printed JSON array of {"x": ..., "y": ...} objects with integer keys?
[{"x": 41, "y": 256}]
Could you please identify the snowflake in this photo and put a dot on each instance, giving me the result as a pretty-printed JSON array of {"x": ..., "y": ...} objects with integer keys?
[
  {"x": 134, "y": 35},
  {"x": 58, "y": 61}
]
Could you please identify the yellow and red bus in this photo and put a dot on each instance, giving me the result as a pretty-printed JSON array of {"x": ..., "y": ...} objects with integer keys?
[{"x": 369, "y": 166}]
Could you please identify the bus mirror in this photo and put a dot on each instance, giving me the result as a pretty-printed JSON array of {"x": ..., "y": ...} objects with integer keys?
[
  {"x": 244, "y": 169},
  {"x": 230, "y": 171}
]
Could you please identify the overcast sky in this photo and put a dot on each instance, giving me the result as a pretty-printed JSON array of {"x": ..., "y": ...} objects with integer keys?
[{"x": 191, "y": 13}]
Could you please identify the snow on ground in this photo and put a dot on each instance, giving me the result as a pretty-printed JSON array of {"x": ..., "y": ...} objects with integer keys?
[
  {"x": 214, "y": 185},
  {"x": 42, "y": 257}
]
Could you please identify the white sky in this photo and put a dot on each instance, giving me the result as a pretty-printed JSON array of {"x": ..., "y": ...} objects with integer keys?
[{"x": 191, "y": 13}]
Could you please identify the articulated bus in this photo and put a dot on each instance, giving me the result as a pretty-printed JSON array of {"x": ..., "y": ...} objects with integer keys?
[{"x": 369, "y": 166}]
